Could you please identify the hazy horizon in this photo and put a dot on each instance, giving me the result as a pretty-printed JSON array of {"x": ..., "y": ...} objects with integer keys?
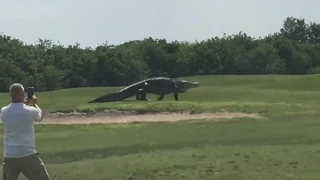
[{"x": 94, "y": 22}]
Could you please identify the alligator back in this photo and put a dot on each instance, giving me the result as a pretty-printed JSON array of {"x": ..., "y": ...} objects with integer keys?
[{"x": 160, "y": 85}]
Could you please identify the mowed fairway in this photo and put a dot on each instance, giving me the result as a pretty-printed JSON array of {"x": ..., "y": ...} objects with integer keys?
[{"x": 283, "y": 144}]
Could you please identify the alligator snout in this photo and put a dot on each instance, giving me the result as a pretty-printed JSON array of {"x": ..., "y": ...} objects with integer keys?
[{"x": 194, "y": 84}]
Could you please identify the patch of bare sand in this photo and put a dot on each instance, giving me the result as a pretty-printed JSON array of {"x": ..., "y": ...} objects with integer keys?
[{"x": 78, "y": 118}]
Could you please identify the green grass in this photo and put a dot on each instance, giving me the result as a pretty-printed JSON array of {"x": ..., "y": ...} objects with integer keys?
[{"x": 286, "y": 145}]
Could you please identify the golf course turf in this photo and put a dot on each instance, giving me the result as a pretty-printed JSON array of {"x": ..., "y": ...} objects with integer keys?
[{"x": 279, "y": 141}]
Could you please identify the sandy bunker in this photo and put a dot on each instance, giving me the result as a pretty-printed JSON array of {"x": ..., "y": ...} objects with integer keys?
[{"x": 77, "y": 118}]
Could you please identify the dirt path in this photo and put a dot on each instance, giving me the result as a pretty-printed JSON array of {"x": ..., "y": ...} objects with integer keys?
[{"x": 125, "y": 117}]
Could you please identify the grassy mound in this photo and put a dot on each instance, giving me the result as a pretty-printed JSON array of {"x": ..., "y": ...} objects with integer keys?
[{"x": 235, "y": 93}]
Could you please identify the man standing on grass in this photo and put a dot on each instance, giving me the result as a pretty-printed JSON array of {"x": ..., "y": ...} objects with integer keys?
[{"x": 20, "y": 155}]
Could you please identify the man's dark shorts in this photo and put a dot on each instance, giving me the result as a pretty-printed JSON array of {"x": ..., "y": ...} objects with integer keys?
[{"x": 31, "y": 166}]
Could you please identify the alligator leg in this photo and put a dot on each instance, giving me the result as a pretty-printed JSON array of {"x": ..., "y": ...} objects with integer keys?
[
  {"x": 160, "y": 98},
  {"x": 141, "y": 95},
  {"x": 138, "y": 96},
  {"x": 176, "y": 96}
]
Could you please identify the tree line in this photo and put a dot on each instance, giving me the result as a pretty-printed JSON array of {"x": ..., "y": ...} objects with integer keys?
[{"x": 295, "y": 49}]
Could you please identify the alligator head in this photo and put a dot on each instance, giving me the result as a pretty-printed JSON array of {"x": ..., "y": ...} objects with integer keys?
[{"x": 183, "y": 85}]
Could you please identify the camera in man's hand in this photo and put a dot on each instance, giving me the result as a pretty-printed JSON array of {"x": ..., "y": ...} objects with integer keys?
[
  {"x": 31, "y": 99},
  {"x": 30, "y": 92}
]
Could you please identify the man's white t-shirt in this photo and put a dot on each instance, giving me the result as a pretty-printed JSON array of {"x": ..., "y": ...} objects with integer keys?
[{"x": 19, "y": 139}]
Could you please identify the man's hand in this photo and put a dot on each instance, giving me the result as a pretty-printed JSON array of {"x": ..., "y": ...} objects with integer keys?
[{"x": 32, "y": 101}]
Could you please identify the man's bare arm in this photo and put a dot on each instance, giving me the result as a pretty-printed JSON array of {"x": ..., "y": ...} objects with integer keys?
[
  {"x": 36, "y": 113},
  {"x": 41, "y": 112}
]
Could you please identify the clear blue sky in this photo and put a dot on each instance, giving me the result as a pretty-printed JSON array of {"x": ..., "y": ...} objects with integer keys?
[{"x": 93, "y": 22}]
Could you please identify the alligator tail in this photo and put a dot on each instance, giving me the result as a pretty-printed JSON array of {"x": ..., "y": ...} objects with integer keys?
[
  {"x": 106, "y": 98},
  {"x": 112, "y": 97}
]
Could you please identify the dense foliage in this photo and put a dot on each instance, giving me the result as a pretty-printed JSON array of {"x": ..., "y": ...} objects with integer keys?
[{"x": 295, "y": 49}]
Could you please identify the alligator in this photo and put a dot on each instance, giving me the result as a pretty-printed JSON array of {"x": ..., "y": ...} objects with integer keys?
[{"x": 157, "y": 85}]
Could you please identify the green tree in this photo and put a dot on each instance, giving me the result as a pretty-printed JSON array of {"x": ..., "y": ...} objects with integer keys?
[{"x": 295, "y": 49}]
